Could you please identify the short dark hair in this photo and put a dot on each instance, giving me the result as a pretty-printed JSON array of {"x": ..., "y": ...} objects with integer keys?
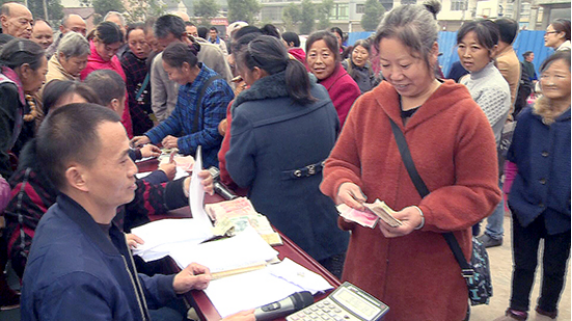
[
  {"x": 189, "y": 24},
  {"x": 70, "y": 134},
  {"x": 508, "y": 28},
  {"x": 108, "y": 33},
  {"x": 134, "y": 26},
  {"x": 202, "y": 31},
  {"x": 526, "y": 54},
  {"x": 270, "y": 30},
  {"x": 487, "y": 32},
  {"x": 562, "y": 25},
  {"x": 269, "y": 54},
  {"x": 214, "y": 28},
  {"x": 19, "y": 51},
  {"x": 107, "y": 85},
  {"x": 55, "y": 90},
  {"x": 169, "y": 24},
  {"x": 178, "y": 53},
  {"x": 290, "y": 36},
  {"x": 328, "y": 38},
  {"x": 559, "y": 55}
]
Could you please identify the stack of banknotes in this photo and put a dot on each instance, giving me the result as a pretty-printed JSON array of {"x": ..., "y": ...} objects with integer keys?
[{"x": 372, "y": 213}]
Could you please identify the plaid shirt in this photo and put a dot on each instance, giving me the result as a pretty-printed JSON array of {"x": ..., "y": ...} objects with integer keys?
[
  {"x": 135, "y": 71},
  {"x": 213, "y": 109}
]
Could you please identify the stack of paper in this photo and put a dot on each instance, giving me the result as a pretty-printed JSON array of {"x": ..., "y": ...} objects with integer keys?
[{"x": 253, "y": 289}]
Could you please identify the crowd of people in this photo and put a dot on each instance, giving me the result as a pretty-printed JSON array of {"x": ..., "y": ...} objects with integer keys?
[{"x": 299, "y": 131}]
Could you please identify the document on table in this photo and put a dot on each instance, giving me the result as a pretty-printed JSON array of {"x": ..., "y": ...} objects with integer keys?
[
  {"x": 197, "y": 196},
  {"x": 244, "y": 250},
  {"x": 179, "y": 173},
  {"x": 158, "y": 236},
  {"x": 250, "y": 290}
]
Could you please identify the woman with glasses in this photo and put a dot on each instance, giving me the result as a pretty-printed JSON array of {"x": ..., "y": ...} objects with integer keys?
[
  {"x": 107, "y": 40},
  {"x": 557, "y": 35}
]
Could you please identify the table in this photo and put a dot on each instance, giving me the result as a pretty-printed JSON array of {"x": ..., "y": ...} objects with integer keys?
[{"x": 199, "y": 300}]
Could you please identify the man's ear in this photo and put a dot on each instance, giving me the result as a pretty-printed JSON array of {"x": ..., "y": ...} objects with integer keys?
[
  {"x": 3, "y": 20},
  {"x": 114, "y": 104},
  {"x": 62, "y": 29},
  {"x": 76, "y": 179}
]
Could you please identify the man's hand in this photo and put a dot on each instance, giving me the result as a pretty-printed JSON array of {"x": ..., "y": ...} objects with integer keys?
[
  {"x": 247, "y": 315},
  {"x": 170, "y": 142},
  {"x": 409, "y": 216},
  {"x": 150, "y": 150},
  {"x": 140, "y": 141},
  {"x": 193, "y": 277},
  {"x": 133, "y": 240},
  {"x": 207, "y": 182},
  {"x": 170, "y": 170},
  {"x": 351, "y": 195}
]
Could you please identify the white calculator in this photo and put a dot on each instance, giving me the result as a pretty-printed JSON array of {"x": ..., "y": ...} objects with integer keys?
[{"x": 346, "y": 303}]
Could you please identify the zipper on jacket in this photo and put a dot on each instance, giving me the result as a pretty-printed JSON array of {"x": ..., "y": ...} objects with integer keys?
[{"x": 135, "y": 286}]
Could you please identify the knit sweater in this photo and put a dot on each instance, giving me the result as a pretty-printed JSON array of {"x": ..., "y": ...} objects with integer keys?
[{"x": 491, "y": 92}]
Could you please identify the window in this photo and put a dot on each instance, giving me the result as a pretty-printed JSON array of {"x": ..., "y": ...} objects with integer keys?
[
  {"x": 271, "y": 13},
  {"x": 360, "y": 8},
  {"x": 458, "y": 5},
  {"x": 340, "y": 11},
  {"x": 387, "y": 4}
]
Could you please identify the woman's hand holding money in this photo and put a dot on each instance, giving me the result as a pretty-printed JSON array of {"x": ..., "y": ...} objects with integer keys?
[
  {"x": 409, "y": 216},
  {"x": 351, "y": 195}
]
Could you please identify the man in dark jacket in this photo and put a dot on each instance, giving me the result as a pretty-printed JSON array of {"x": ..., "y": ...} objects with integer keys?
[{"x": 80, "y": 267}]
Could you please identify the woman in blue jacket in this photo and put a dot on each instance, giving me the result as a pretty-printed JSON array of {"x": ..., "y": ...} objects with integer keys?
[
  {"x": 283, "y": 129},
  {"x": 540, "y": 195}
]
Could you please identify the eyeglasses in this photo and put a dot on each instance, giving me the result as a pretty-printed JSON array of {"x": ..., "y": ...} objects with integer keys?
[{"x": 549, "y": 32}]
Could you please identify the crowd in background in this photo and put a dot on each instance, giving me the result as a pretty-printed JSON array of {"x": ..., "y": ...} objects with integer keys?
[{"x": 301, "y": 130}]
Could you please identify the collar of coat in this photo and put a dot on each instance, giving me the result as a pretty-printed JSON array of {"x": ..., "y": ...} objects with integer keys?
[
  {"x": 269, "y": 87},
  {"x": 448, "y": 95}
]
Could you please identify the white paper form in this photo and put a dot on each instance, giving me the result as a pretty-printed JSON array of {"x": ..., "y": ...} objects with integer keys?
[
  {"x": 244, "y": 250},
  {"x": 294, "y": 273},
  {"x": 197, "y": 196},
  {"x": 159, "y": 234},
  {"x": 245, "y": 291}
]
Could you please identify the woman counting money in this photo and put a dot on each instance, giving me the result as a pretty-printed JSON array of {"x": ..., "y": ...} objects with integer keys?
[
  {"x": 283, "y": 128},
  {"x": 410, "y": 267}
]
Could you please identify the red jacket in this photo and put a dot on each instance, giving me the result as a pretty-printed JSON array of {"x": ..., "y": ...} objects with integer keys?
[
  {"x": 299, "y": 54},
  {"x": 95, "y": 62},
  {"x": 343, "y": 91},
  {"x": 454, "y": 150}
]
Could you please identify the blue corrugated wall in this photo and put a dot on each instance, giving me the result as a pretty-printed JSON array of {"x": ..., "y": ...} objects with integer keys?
[{"x": 525, "y": 41}]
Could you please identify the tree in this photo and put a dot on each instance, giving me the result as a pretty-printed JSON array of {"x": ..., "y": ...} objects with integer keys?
[
  {"x": 243, "y": 10},
  {"x": 324, "y": 10},
  {"x": 207, "y": 10},
  {"x": 55, "y": 12},
  {"x": 139, "y": 10},
  {"x": 291, "y": 15},
  {"x": 372, "y": 16},
  {"x": 308, "y": 17}
]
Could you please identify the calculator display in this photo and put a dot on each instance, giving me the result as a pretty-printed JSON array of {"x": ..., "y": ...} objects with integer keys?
[{"x": 356, "y": 304}]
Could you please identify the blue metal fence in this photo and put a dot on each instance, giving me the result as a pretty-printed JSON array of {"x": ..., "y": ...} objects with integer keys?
[{"x": 525, "y": 41}]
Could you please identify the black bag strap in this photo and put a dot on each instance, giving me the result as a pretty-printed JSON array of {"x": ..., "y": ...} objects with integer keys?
[
  {"x": 422, "y": 189},
  {"x": 199, "y": 102}
]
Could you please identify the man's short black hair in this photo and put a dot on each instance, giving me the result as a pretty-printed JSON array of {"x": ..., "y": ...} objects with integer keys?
[
  {"x": 290, "y": 36},
  {"x": 169, "y": 24},
  {"x": 508, "y": 29},
  {"x": 214, "y": 28},
  {"x": 202, "y": 31},
  {"x": 69, "y": 134},
  {"x": 107, "y": 85}
]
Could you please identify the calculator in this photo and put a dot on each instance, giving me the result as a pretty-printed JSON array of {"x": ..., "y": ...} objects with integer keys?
[{"x": 346, "y": 303}]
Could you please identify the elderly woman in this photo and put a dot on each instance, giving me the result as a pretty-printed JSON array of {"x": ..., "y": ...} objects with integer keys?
[
  {"x": 23, "y": 68},
  {"x": 70, "y": 58},
  {"x": 323, "y": 60},
  {"x": 410, "y": 267}
]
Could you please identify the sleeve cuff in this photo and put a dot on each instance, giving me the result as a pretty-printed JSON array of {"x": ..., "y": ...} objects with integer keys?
[{"x": 174, "y": 195}]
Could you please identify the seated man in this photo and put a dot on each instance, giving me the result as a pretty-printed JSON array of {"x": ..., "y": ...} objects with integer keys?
[
  {"x": 201, "y": 106},
  {"x": 80, "y": 266}
]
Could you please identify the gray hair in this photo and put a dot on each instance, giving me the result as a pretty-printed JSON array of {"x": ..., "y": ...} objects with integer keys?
[
  {"x": 74, "y": 45},
  {"x": 115, "y": 13},
  {"x": 414, "y": 25}
]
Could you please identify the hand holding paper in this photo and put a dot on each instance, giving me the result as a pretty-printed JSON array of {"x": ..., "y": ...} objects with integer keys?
[{"x": 193, "y": 277}]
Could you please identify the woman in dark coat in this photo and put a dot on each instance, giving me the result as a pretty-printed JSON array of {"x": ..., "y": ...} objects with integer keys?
[{"x": 283, "y": 129}]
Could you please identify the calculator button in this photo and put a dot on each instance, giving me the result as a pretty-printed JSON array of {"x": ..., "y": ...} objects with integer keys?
[
  {"x": 338, "y": 311},
  {"x": 326, "y": 310},
  {"x": 333, "y": 315},
  {"x": 295, "y": 318},
  {"x": 301, "y": 314},
  {"x": 320, "y": 305},
  {"x": 314, "y": 309},
  {"x": 314, "y": 316},
  {"x": 326, "y": 302},
  {"x": 325, "y": 317}
]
